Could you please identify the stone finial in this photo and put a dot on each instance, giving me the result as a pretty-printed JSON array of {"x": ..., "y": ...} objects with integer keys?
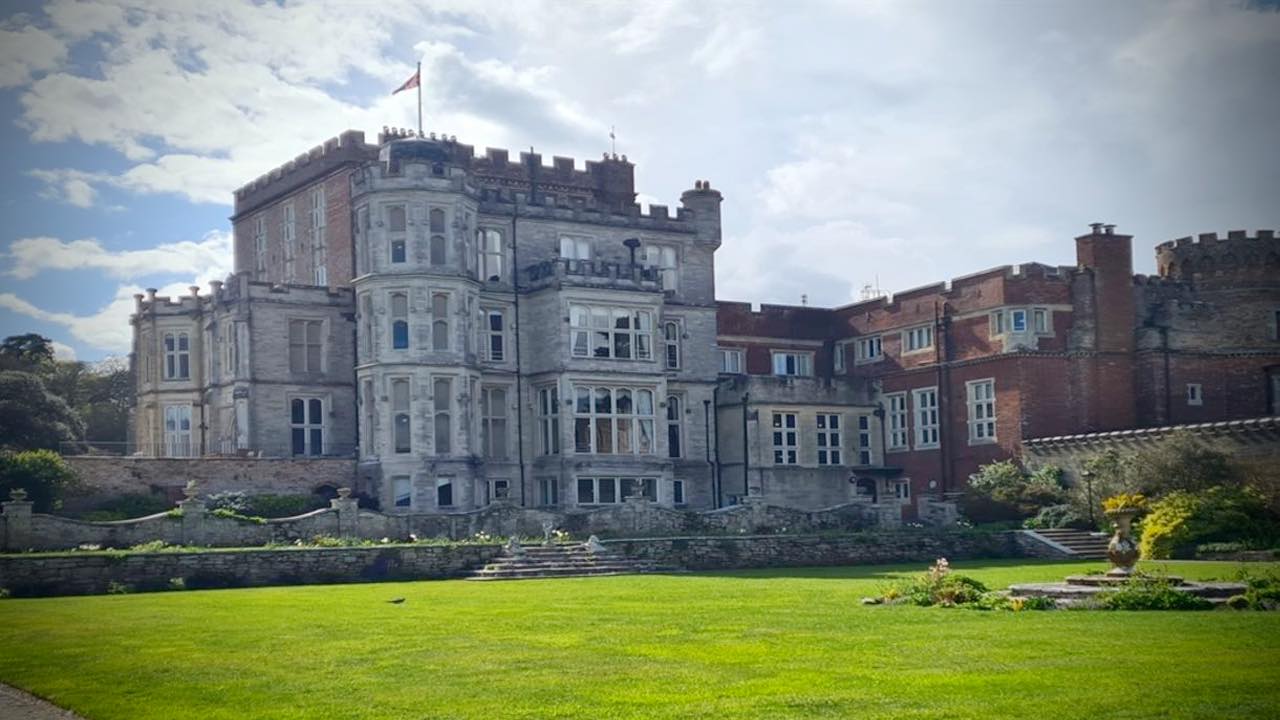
[
  {"x": 190, "y": 490},
  {"x": 18, "y": 495},
  {"x": 344, "y": 492},
  {"x": 594, "y": 546}
]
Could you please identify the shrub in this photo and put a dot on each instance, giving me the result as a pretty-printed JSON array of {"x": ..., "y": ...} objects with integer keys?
[
  {"x": 230, "y": 514},
  {"x": 1180, "y": 520},
  {"x": 1151, "y": 593},
  {"x": 124, "y": 507},
  {"x": 1125, "y": 501},
  {"x": 1058, "y": 516},
  {"x": 939, "y": 586},
  {"x": 177, "y": 583},
  {"x": 276, "y": 506},
  {"x": 42, "y": 473},
  {"x": 1263, "y": 591},
  {"x": 1003, "y": 491},
  {"x": 233, "y": 500}
]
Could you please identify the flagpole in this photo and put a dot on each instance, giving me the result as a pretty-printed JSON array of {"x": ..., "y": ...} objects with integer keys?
[{"x": 419, "y": 98}]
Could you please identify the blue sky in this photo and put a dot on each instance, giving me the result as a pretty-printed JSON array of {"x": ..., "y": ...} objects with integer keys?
[{"x": 909, "y": 142}]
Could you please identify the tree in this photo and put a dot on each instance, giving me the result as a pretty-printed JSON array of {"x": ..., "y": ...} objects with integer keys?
[
  {"x": 27, "y": 352},
  {"x": 1004, "y": 491},
  {"x": 42, "y": 473},
  {"x": 31, "y": 416}
]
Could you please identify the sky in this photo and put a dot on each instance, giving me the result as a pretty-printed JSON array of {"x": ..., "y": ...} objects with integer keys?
[{"x": 855, "y": 143}]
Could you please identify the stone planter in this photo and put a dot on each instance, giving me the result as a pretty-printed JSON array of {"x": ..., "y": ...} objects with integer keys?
[{"x": 1122, "y": 551}]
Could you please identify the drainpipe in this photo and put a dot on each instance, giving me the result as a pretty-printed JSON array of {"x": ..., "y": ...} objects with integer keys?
[
  {"x": 942, "y": 355},
  {"x": 746, "y": 458},
  {"x": 515, "y": 291}
]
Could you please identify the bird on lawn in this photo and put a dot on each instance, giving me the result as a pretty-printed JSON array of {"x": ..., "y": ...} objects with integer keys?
[{"x": 396, "y": 601}]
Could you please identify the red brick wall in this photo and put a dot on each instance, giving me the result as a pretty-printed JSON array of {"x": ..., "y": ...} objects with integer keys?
[{"x": 337, "y": 192}]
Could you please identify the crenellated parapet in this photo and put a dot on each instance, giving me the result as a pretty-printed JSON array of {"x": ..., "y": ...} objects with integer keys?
[
  {"x": 349, "y": 148},
  {"x": 237, "y": 287},
  {"x": 1214, "y": 260}
]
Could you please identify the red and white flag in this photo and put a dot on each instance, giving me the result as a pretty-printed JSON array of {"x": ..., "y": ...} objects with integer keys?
[{"x": 411, "y": 83}]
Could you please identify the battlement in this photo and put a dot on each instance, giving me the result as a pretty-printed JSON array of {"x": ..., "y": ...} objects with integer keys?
[
  {"x": 347, "y": 148},
  {"x": 781, "y": 321},
  {"x": 1208, "y": 255},
  {"x": 959, "y": 288},
  {"x": 236, "y": 287}
]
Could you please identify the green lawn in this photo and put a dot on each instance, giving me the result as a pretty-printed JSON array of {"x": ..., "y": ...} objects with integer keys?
[{"x": 766, "y": 644}]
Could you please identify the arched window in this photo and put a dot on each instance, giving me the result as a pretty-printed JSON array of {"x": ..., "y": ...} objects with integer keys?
[
  {"x": 437, "y": 220},
  {"x": 400, "y": 415},
  {"x": 490, "y": 242},
  {"x": 674, "y": 447},
  {"x": 440, "y": 321},
  {"x": 671, "y": 335},
  {"x": 399, "y": 321}
]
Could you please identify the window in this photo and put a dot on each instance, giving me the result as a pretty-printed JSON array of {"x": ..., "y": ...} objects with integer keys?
[
  {"x": 926, "y": 402},
  {"x": 401, "y": 419},
  {"x": 730, "y": 360},
  {"x": 177, "y": 431},
  {"x": 575, "y": 248},
  {"x": 792, "y": 363},
  {"x": 548, "y": 491},
  {"x": 402, "y": 491},
  {"x": 289, "y": 238},
  {"x": 440, "y": 321},
  {"x": 177, "y": 356},
  {"x": 306, "y": 424},
  {"x": 828, "y": 439},
  {"x": 610, "y": 490},
  {"x": 442, "y": 402},
  {"x": 549, "y": 420},
  {"x": 493, "y": 422},
  {"x": 438, "y": 247},
  {"x": 495, "y": 347},
  {"x": 490, "y": 243},
  {"x": 870, "y": 349},
  {"x": 662, "y": 258},
  {"x": 399, "y": 321},
  {"x": 837, "y": 357},
  {"x": 305, "y": 345},
  {"x": 902, "y": 490},
  {"x": 260, "y": 245},
  {"x": 864, "y": 440},
  {"x": 897, "y": 421},
  {"x": 609, "y": 420},
  {"x": 498, "y": 489},
  {"x": 677, "y": 492},
  {"x": 397, "y": 251},
  {"x": 230, "y": 350},
  {"x": 361, "y": 239},
  {"x": 785, "y": 439},
  {"x": 1195, "y": 394},
  {"x": 366, "y": 327},
  {"x": 437, "y": 220},
  {"x": 671, "y": 340},
  {"x": 673, "y": 426},
  {"x": 367, "y": 404},
  {"x": 1018, "y": 321},
  {"x": 319, "y": 242},
  {"x": 918, "y": 338},
  {"x": 444, "y": 492},
  {"x": 396, "y": 218},
  {"x": 611, "y": 332},
  {"x": 997, "y": 323},
  {"x": 1040, "y": 321},
  {"x": 982, "y": 411}
]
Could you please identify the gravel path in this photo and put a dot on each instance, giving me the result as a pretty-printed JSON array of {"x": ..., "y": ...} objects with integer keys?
[{"x": 18, "y": 705}]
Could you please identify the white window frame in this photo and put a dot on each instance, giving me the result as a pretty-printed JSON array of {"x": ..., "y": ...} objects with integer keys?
[
  {"x": 308, "y": 425},
  {"x": 441, "y": 339},
  {"x": 585, "y": 325},
  {"x": 491, "y": 257},
  {"x": 1195, "y": 394},
  {"x": 1041, "y": 321},
  {"x": 399, "y": 483},
  {"x": 260, "y": 245},
  {"x": 897, "y": 413},
  {"x": 925, "y": 402},
  {"x": 838, "y": 352},
  {"x": 177, "y": 355},
  {"x": 319, "y": 240},
  {"x": 178, "y": 437},
  {"x": 549, "y": 408},
  {"x": 666, "y": 260},
  {"x": 289, "y": 238},
  {"x": 442, "y": 415},
  {"x": 672, "y": 331},
  {"x": 730, "y": 360},
  {"x": 1018, "y": 320},
  {"x": 981, "y": 410},
  {"x": 785, "y": 361},
  {"x": 639, "y": 423},
  {"x": 575, "y": 247},
  {"x": 829, "y": 428},
  {"x": 492, "y": 416},
  {"x": 674, "y": 413},
  {"x": 917, "y": 339},
  {"x": 869, "y": 350},
  {"x": 617, "y": 488},
  {"x": 997, "y": 323},
  {"x": 785, "y": 427},
  {"x": 401, "y": 415},
  {"x": 495, "y": 341},
  {"x": 306, "y": 345}
]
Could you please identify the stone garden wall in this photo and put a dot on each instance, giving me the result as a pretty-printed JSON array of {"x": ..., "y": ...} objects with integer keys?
[
  {"x": 99, "y": 572},
  {"x": 192, "y": 524}
]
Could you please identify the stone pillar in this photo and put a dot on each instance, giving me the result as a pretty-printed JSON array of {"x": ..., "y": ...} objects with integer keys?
[
  {"x": 17, "y": 521},
  {"x": 348, "y": 513},
  {"x": 193, "y": 516}
]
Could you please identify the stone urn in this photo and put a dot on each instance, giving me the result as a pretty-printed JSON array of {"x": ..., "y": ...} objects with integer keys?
[{"x": 1122, "y": 551}]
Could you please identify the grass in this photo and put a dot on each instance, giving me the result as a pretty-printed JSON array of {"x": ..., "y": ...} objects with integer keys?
[{"x": 762, "y": 644}]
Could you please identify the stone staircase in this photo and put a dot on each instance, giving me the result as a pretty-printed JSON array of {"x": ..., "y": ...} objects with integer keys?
[
  {"x": 1086, "y": 545},
  {"x": 548, "y": 561}
]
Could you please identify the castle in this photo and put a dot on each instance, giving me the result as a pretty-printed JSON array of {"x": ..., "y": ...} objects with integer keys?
[{"x": 468, "y": 329}]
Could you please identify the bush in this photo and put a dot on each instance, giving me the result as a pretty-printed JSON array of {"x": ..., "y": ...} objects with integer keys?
[
  {"x": 1180, "y": 520},
  {"x": 125, "y": 507},
  {"x": 1263, "y": 591},
  {"x": 1003, "y": 491},
  {"x": 1151, "y": 593},
  {"x": 234, "y": 500},
  {"x": 266, "y": 505},
  {"x": 42, "y": 473},
  {"x": 1058, "y": 516},
  {"x": 939, "y": 586},
  {"x": 228, "y": 514}
]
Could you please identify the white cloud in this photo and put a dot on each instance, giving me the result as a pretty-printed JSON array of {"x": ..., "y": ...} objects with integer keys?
[
  {"x": 26, "y": 51},
  {"x": 62, "y": 351},
  {"x": 70, "y": 186},
  {"x": 207, "y": 259}
]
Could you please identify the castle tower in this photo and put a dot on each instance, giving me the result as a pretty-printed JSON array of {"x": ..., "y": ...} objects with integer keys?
[{"x": 1108, "y": 258}]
